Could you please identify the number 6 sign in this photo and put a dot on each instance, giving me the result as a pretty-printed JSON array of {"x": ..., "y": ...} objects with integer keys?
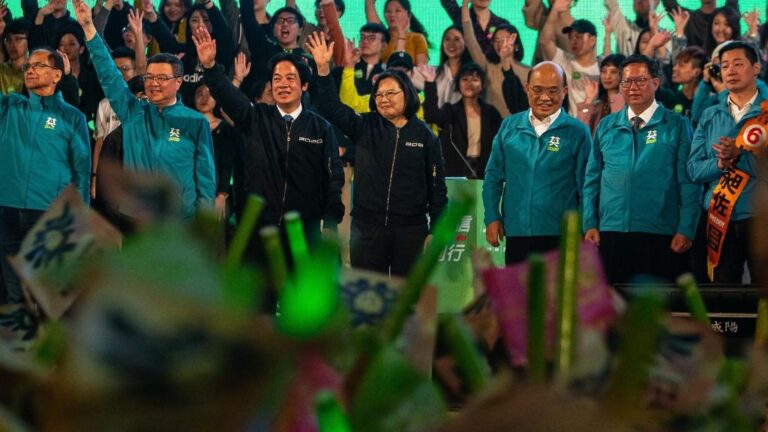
[{"x": 752, "y": 136}]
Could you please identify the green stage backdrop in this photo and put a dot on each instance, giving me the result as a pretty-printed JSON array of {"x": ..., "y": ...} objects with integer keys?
[{"x": 436, "y": 20}]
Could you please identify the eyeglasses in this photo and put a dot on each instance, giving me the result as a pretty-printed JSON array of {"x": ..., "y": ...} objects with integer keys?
[
  {"x": 368, "y": 38},
  {"x": 35, "y": 67},
  {"x": 387, "y": 94},
  {"x": 160, "y": 79},
  {"x": 552, "y": 92},
  {"x": 126, "y": 67},
  {"x": 288, "y": 20},
  {"x": 639, "y": 82}
]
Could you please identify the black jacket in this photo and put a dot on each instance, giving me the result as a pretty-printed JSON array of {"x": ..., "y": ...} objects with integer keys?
[
  {"x": 399, "y": 173},
  {"x": 292, "y": 168},
  {"x": 452, "y": 121}
]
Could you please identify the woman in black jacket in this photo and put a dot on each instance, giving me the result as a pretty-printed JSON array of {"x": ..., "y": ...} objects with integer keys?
[
  {"x": 399, "y": 169},
  {"x": 467, "y": 127}
]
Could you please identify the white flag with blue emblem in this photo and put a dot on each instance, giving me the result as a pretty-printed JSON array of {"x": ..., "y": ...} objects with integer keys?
[{"x": 58, "y": 248}]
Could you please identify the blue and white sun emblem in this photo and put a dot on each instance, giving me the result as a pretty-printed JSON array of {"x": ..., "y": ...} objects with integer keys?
[
  {"x": 52, "y": 242},
  {"x": 368, "y": 302}
]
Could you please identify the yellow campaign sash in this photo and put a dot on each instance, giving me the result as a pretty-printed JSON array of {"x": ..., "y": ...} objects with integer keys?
[
  {"x": 721, "y": 206},
  {"x": 752, "y": 136}
]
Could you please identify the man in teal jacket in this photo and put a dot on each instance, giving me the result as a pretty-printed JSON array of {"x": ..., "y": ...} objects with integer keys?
[
  {"x": 640, "y": 206},
  {"x": 45, "y": 148},
  {"x": 159, "y": 135},
  {"x": 537, "y": 162},
  {"x": 713, "y": 152}
]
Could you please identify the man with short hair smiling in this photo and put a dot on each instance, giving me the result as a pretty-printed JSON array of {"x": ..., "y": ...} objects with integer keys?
[
  {"x": 290, "y": 156},
  {"x": 373, "y": 38},
  {"x": 715, "y": 162},
  {"x": 687, "y": 72},
  {"x": 540, "y": 154},
  {"x": 161, "y": 134},
  {"x": 640, "y": 205},
  {"x": 45, "y": 148}
]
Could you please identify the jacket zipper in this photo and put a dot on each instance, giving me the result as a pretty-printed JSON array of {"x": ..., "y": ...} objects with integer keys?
[
  {"x": 285, "y": 184},
  {"x": 434, "y": 175},
  {"x": 391, "y": 176}
]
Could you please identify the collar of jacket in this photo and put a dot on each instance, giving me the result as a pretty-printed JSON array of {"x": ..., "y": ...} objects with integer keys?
[
  {"x": 169, "y": 108},
  {"x": 45, "y": 101},
  {"x": 762, "y": 94},
  {"x": 524, "y": 123},
  {"x": 622, "y": 120}
]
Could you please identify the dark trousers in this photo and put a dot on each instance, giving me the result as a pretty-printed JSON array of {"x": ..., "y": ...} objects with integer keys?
[
  {"x": 518, "y": 248},
  {"x": 14, "y": 226},
  {"x": 626, "y": 255},
  {"x": 736, "y": 252},
  {"x": 385, "y": 248}
]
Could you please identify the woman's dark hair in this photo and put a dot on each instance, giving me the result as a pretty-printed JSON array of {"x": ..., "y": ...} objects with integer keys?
[
  {"x": 216, "y": 106},
  {"x": 602, "y": 93},
  {"x": 416, "y": 25},
  {"x": 257, "y": 89},
  {"x": 639, "y": 38},
  {"x": 519, "y": 50},
  {"x": 78, "y": 34},
  {"x": 305, "y": 72},
  {"x": 412, "y": 102},
  {"x": 733, "y": 19},
  {"x": 465, "y": 56},
  {"x": 470, "y": 68},
  {"x": 161, "y": 12}
]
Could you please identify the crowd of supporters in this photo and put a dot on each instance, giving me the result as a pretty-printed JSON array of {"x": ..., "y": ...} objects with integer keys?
[{"x": 229, "y": 100}]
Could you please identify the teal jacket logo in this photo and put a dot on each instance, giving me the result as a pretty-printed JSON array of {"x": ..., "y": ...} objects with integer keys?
[
  {"x": 174, "y": 135},
  {"x": 50, "y": 123},
  {"x": 554, "y": 144},
  {"x": 651, "y": 137}
]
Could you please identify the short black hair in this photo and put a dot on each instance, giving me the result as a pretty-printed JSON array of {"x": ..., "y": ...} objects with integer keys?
[
  {"x": 296, "y": 13},
  {"x": 651, "y": 64},
  {"x": 18, "y": 26},
  {"x": 376, "y": 28},
  {"x": 470, "y": 68},
  {"x": 54, "y": 58},
  {"x": 176, "y": 64},
  {"x": 305, "y": 72},
  {"x": 136, "y": 84},
  {"x": 749, "y": 50},
  {"x": 123, "y": 52},
  {"x": 340, "y": 6},
  {"x": 412, "y": 102},
  {"x": 693, "y": 54},
  {"x": 257, "y": 89},
  {"x": 75, "y": 31}
]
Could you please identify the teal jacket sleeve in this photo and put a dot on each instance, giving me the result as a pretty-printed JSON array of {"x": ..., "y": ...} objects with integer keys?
[
  {"x": 582, "y": 156},
  {"x": 702, "y": 166},
  {"x": 592, "y": 177},
  {"x": 702, "y": 99},
  {"x": 690, "y": 192},
  {"x": 493, "y": 185},
  {"x": 120, "y": 97},
  {"x": 205, "y": 170},
  {"x": 80, "y": 158}
]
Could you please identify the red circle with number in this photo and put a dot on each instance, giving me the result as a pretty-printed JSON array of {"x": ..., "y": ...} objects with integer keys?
[{"x": 754, "y": 136}]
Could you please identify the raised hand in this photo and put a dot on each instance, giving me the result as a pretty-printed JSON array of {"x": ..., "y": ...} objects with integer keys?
[
  {"x": 65, "y": 60},
  {"x": 591, "y": 90},
  {"x": 242, "y": 67},
  {"x": 83, "y": 14},
  {"x": 507, "y": 49},
  {"x": 206, "y": 47},
  {"x": 561, "y": 6},
  {"x": 46, "y": 10},
  {"x": 351, "y": 54},
  {"x": 149, "y": 10},
  {"x": 653, "y": 20},
  {"x": 660, "y": 39},
  {"x": 321, "y": 51},
  {"x": 680, "y": 17},
  {"x": 428, "y": 72},
  {"x": 3, "y": 12},
  {"x": 607, "y": 25},
  {"x": 753, "y": 22},
  {"x": 135, "y": 18}
]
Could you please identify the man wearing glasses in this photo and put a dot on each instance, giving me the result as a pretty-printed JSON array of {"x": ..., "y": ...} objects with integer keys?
[
  {"x": 160, "y": 134},
  {"x": 640, "y": 206},
  {"x": 16, "y": 41},
  {"x": 45, "y": 148},
  {"x": 536, "y": 169}
]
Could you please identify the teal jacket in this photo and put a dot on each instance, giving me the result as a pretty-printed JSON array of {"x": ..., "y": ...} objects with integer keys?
[
  {"x": 175, "y": 141},
  {"x": 539, "y": 177},
  {"x": 45, "y": 148},
  {"x": 637, "y": 181},
  {"x": 717, "y": 122}
]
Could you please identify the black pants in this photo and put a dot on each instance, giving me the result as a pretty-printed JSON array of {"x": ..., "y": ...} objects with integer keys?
[
  {"x": 518, "y": 248},
  {"x": 736, "y": 252},
  {"x": 14, "y": 225},
  {"x": 385, "y": 248},
  {"x": 626, "y": 255}
]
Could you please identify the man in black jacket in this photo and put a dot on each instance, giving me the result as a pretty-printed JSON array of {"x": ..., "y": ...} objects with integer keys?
[
  {"x": 399, "y": 168},
  {"x": 290, "y": 154}
]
